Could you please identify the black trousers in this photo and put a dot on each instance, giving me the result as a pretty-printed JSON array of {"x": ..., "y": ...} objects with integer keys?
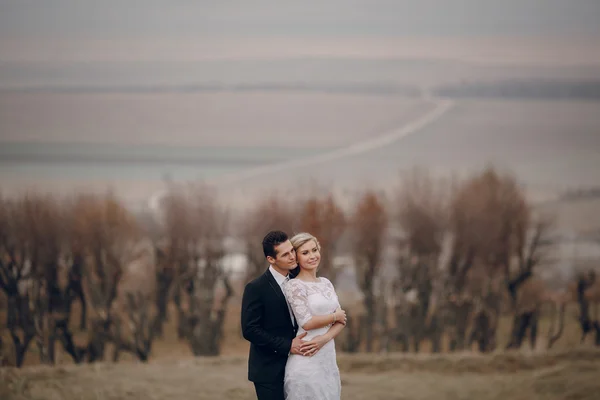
[{"x": 269, "y": 391}]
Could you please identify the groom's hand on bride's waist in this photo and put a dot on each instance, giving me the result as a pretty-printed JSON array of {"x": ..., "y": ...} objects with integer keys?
[
  {"x": 311, "y": 347},
  {"x": 297, "y": 343}
]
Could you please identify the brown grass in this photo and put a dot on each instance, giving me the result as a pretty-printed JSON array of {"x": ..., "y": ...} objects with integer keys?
[
  {"x": 561, "y": 375},
  {"x": 570, "y": 372}
]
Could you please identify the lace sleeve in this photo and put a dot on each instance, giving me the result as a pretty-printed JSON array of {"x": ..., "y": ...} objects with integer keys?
[{"x": 297, "y": 297}]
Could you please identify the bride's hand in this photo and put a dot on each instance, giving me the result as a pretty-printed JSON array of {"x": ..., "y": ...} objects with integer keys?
[
  {"x": 340, "y": 315},
  {"x": 311, "y": 347}
]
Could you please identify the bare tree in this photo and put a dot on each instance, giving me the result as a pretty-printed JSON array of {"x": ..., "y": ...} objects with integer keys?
[
  {"x": 141, "y": 326},
  {"x": 15, "y": 273},
  {"x": 558, "y": 306},
  {"x": 107, "y": 233},
  {"x": 491, "y": 227},
  {"x": 271, "y": 213},
  {"x": 469, "y": 216},
  {"x": 422, "y": 218},
  {"x": 173, "y": 259},
  {"x": 323, "y": 218},
  {"x": 165, "y": 267},
  {"x": 33, "y": 246},
  {"x": 494, "y": 236},
  {"x": 353, "y": 335},
  {"x": 198, "y": 247},
  {"x": 59, "y": 271},
  {"x": 36, "y": 276},
  {"x": 369, "y": 223},
  {"x": 589, "y": 323},
  {"x": 529, "y": 253},
  {"x": 166, "y": 271},
  {"x": 135, "y": 315}
]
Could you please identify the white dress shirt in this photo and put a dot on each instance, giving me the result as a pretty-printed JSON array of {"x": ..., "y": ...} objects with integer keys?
[{"x": 281, "y": 280}]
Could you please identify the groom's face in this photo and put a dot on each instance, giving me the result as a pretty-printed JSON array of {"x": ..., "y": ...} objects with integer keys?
[{"x": 286, "y": 256}]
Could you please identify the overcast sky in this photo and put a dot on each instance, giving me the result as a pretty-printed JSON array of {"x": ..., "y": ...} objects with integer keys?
[
  {"x": 60, "y": 32},
  {"x": 175, "y": 18}
]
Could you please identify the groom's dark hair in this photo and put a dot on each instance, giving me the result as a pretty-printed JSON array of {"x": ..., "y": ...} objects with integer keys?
[{"x": 272, "y": 239}]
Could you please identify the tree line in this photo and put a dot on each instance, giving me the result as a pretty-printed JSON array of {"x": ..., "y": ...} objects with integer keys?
[{"x": 439, "y": 261}]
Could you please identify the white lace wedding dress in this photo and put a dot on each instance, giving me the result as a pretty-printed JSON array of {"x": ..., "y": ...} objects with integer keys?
[{"x": 316, "y": 377}]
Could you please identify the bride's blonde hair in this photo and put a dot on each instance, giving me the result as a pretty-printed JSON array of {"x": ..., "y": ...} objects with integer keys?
[{"x": 301, "y": 239}]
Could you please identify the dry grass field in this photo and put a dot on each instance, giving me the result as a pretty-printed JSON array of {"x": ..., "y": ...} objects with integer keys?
[
  {"x": 568, "y": 372},
  {"x": 562, "y": 375}
]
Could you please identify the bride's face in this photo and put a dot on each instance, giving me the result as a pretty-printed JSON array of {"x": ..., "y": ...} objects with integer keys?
[{"x": 308, "y": 255}]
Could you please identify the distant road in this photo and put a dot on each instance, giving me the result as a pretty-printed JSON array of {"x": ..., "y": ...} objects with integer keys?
[{"x": 442, "y": 106}]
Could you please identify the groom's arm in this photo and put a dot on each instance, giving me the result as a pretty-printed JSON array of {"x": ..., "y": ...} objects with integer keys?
[{"x": 252, "y": 316}]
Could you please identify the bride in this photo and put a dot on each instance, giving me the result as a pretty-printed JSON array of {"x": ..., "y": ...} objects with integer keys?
[{"x": 315, "y": 374}]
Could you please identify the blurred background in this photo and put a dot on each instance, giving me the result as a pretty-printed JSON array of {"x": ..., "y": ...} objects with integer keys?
[{"x": 446, "y": 154}]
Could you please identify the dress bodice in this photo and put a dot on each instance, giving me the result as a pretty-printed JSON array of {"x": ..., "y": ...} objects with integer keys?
[{"x": 308, "y": 299}]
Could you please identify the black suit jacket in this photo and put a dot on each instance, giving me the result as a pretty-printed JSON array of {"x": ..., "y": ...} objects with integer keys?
[{"x": 266, "y": 324}]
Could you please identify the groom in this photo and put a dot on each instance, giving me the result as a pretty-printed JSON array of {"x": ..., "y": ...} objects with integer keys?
[{"x": 267, "y": 320}]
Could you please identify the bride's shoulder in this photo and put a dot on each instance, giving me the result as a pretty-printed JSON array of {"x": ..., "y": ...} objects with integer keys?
[
  {"x": 293, "y": 283},
  {"x": 294, "y": 280},
  {"x": 326, "y": 281}
]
